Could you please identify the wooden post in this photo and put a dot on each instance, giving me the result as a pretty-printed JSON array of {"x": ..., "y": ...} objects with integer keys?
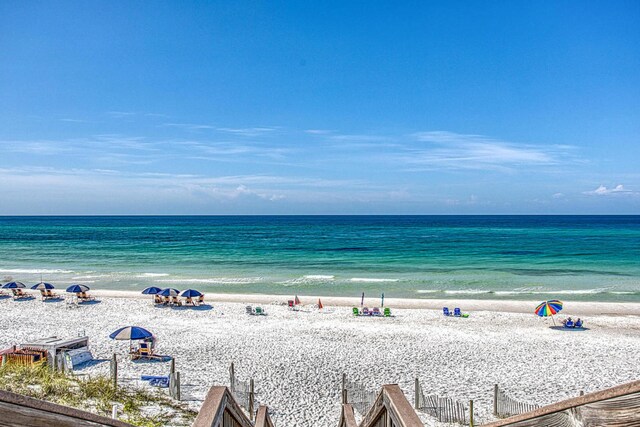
[
  {"x": 173, "y": 366},
  {"x": 177, "y": 385},
  {"x": 114, "y": 370},
  {"x": 344, "y": 388},
  {"x": 495, "y": 400},
  {"x": 232, "y": 378},
  {"x": 251, "y": 399},
  {"x": 471, "y": 413},
  {"x": 416, "y": 390}
]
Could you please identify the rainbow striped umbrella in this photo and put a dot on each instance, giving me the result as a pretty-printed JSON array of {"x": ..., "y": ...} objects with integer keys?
[{"x": 548, "y": 308}]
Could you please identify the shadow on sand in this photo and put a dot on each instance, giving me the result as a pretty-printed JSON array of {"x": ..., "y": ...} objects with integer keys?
[
  {"x": 154, "y": 359},
  {"x": 562, "y": 328},
  {"x": 91, "y": 302},
  {"x": 89, "y": 364}
]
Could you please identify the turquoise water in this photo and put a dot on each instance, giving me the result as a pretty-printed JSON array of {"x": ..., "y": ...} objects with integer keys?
[{"x": 591, "y": 258}]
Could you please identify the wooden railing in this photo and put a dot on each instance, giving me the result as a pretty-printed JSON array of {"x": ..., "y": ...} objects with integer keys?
[
  {"x": 390, "y": 409},
  {"x": 614, "y": 407},
  {"x": 220, "y": 409},
  {"x": 19, "y": 410},
  {"x": 262, "y": 417}
]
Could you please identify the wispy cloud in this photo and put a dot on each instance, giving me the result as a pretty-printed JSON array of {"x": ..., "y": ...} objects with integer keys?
[
  {"x": 192, "y": 127},
  {"x": 247, "y": 132},
  {"x": 121, "y": 114},
  {"x": 613, "y": 191},
  {"x": 73, "y": 120},
  {"x": 450, "y": 150},
  {"x": 359, "y": 137},
  {"x": 318, "y": 131}
]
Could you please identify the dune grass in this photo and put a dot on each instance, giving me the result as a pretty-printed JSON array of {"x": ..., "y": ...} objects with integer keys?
[{"x": 97, "y": 394}]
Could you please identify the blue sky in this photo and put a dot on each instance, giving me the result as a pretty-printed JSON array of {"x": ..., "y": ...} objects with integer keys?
[{"x": 319, "y": 107}]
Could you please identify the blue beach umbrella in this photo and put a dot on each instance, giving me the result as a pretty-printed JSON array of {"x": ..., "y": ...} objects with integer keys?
[
  {"x": 152, "y": 290},
  {"x": 382, "y": 303},
  {"x": 130, "y": 333},
  {"x": 13, "y": 285},
  {"x": 42, "y": 286},
  {"x": 77, "y": 288},
  {"x": 362, "y": 300},
  {"x": 169, "y": 292},
  {"x": 190, "y": 293}
]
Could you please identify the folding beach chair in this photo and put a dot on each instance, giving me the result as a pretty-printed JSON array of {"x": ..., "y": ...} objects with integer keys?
[
  {"x": 387, "y": 312},
  {"x": 260, "y": 311},
  {"x": 366, "y": 312},
  {"x": 249, "y": 310},
  {"x": 376, "y": 312},
  {"x": 445, "y": 311},
  {"x": 51, "y": 295},
  {"x": 355, "y": 311},
  {"x": 457, "y": 312}
]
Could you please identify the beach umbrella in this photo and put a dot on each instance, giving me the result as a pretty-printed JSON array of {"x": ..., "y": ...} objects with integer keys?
[
  {"x": 362, "y": 300},
  {"x": 190, "y": 293},
  {"x": 13, "y": 285},
  {"x": 320, "y": 306},
  {"x": 548, "y": 308},
  {"x": 169, "y": 292},
  {"x": 74, "y": 289},
  {"x": 296, "y": 301},
  {"x": 42, "y": 286},
  {"x": 382, "y": 303},
  {"x": 130, "y": 333},
  {"x": 152, "y": 290}
]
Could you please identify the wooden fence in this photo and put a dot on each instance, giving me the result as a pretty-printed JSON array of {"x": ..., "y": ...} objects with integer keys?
[
  {"x": 614, "y": 407},
  {"x": 444, "y": 409},
  {"x": 244, "y": 392},
  {"x": 359, "y": 396},
  {"x": 506, "y": 406}
]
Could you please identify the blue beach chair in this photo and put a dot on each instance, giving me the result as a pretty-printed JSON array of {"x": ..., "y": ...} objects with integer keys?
[
  {"x": 445, "y": 311},
  {"x": 456, "y": 312}
]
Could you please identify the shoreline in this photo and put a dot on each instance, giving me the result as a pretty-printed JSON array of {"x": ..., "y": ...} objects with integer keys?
[{"x": 510, "y": 306}]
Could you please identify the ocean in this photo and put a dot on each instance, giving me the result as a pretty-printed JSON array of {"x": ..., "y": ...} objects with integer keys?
[{"x": 581, "y": 258}]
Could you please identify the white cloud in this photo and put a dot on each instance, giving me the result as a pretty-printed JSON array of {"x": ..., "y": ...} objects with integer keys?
[
  {"x": 604, "y": 191},
  {"x": 317, "y": 131},
  {"x": 558, "y": 195},
  {"x": 248, "y": 132},
  {"x": 461, "y": 151}
]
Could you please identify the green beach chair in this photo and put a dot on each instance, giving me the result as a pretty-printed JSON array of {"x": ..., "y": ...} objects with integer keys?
[
  {"x": 356, "y": 312},
  {"x": 387, "y": 312},
  {"x": 259, "y": 311}
]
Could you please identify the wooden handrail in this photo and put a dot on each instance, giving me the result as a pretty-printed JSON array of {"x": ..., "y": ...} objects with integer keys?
[
  {"x": 618, "y": 392},
  {"x": 218, "y": 401},
  {"x": 262, "y": 417},
  {"x": 19, "y": 410},
  {"x": 392, "y": 402},
  {"x": 347, "y": 416}
]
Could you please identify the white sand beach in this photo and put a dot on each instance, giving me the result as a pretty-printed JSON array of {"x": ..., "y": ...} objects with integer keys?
[{"x": 297, "y": 358}]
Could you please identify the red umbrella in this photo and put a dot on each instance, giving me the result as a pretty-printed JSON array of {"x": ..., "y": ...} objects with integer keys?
[{"x": 320, "y": 304}]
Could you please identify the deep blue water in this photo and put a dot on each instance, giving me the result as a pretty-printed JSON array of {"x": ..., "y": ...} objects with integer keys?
[{"x": 511, "y": 257}]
